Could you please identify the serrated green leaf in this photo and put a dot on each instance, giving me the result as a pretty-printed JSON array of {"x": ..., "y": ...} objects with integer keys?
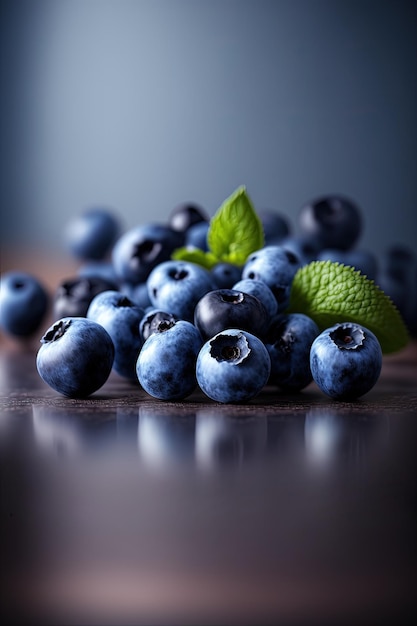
[
  {"x": 235, "y": 230},
  {"x": 331, "y": 292},
  {"x": 195, "y": 255}
]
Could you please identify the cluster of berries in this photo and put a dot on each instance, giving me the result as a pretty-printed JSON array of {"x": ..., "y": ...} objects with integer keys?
[{"x": 173, "y": 325}]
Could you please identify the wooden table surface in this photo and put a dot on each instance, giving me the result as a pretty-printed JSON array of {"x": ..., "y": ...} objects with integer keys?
[{"x": 292, "y": 509}]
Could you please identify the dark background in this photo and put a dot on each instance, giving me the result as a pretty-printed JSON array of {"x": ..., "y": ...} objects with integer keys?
[{"x": 139, "y": 105}]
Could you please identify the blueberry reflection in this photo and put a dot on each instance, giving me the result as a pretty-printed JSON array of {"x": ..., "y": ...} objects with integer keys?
[
  {"x": 165, "y": 439},
  {"x": 57, "y": 432},
  {"x": 222, "y": 441},
  {"x": 70, "y": 432},
  {"x": 343, "y": 439}
]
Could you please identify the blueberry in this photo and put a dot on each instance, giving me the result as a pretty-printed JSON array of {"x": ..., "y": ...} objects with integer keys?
[
  {"x": 151, "y": 320},
  {"x": 362, "y": 260},
  {"x": 23, "y": 304},
  {"x": 346, "y": 361},
  {"x": 233, "y": 366},
  {"x": 399, "y": 261},
  {"x": 142, "y": 248},
  {"x": 305, "y": 247},
  {"x": 288, "y": 342},
  {"x": 76, "y": 357},
  {"x": 92, "y": 234},
  {"x": 73, "y": 296},
  {"x": 403, "y": 294},
  {"x": 334, "y": 219},
  {"x": 196, "y": 236},
  {"x": 276, "y": 267},
  {"x": 166, "y": 365},
  {"x": 220, "y": 309},
  {"x": 121, "y": 317},
  {"x": 137, "y": 293},
  {"x": 398, "y": 279},
  {"x": 276, "y": 225},
  {"x": 260, "y": 290},
  {"x": 177, "y": 286},
  {"x": 185, "y": 215},
  {"x": 225, "y": 275}
]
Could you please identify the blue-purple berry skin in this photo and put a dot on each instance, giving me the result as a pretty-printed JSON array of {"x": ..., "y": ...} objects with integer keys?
[
  {"x": 362, "y": 260},
  {"x": 76, "y": 357},
  {"x": 334, "y": 220},
  {"x": 225, "y": 275},
  {"x": 288, "y": 342},
  {"x": 92, "y": 234},
  {"x": 233, "y": 367},
  {"x": 166, "y": 365},
  {"x": 151, "y": 322},
  {"x": 24, "y": 303},
  {"x": 177, "y": 286},
  {"x": 141, "y": 248},
  {"x": 121, "y": 317},
  {"x": 276, "y": 225},
  {"x": 196, "y": 236},
  {"x": 346, "y": 361},
  {"x": 276, "y": 267},
  {"x": 220, "y": 309},
  {"x": 73, "y": 296},
  {"x": 260, "y": 290}
]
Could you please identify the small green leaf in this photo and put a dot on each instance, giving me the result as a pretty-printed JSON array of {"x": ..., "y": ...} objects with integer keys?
[
  {"x": 195, "y": 255},
  {"x": 235, "y": 231},
  {"x": 332, "y": 292}
]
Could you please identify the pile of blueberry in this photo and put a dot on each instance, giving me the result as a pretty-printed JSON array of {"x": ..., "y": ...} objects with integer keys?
[{"x": 173, "y": 326}]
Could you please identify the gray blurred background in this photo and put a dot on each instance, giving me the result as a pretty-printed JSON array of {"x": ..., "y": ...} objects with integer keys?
[{"x": 139, "y": 105}]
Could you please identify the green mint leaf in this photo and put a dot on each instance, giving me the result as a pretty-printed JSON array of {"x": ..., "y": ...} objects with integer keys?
[
  {"x": 195, "y": 255},
  {"x": 235, "y": 230},
  {"x": 331, "y": 292}
]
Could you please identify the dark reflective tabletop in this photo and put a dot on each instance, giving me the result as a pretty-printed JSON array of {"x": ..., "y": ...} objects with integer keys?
[{"x": 121, "y": 509}]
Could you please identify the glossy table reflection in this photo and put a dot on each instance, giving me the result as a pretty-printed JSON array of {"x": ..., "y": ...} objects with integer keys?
[{"x": 121, "y": 509}]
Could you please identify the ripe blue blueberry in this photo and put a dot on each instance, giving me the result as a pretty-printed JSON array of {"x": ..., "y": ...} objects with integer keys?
[
  {"x": 196, "y": 236},
  {"x": 150, "y": 322},
  {"x": 362, "y": 260},
  {"x": 346, "y": 361},
  {"x": 276, "y": 267},
  {"x": 183, "y": 216},
  {"x": 137, "y": 293},
  {"x": 23, "y": 304},
  {"x": 276, "y": 226},
  {"x": 288, "y": 342},
  {"x": 260, "y": 290},
  {"x": 397, "y": 277},
  {"x": 166, "y": 365},
  {"x": 177, "y": 286},
  {"x": 121, "y": 317},
  {"x": 335, "y": 220},
  {"x": 142, "y": 248},
  {"x": 73, "y": 296},
  {"x": 92, "y": 234},
  {"x": 305, "y": 247},
  {"x": 76, "y": 357},
  {"x": 233, "y": 366},
  {"x": 225, "y": 275},
  {"x": 228, "y": 308}
]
